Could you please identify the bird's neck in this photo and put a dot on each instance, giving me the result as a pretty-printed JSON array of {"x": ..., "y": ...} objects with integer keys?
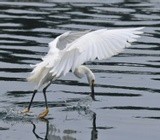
[
  {"x": 89, "y": 73},
  {"x": 82, "y": 70}
]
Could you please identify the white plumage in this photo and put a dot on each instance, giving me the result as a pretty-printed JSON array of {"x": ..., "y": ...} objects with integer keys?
[{"x": 71, "y": 49}]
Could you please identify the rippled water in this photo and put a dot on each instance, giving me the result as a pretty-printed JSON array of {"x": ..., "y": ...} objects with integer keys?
[{"x": 127, "y": 85}]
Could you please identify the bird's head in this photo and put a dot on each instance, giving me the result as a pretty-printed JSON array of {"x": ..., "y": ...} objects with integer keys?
[
  {"x": 92, "y": 84},
  {"x": 91, "y": 81}
]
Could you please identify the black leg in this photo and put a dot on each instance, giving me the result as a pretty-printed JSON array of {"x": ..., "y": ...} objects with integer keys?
[
  {"x": 34, "y": 92},
  {"x": 44, "y": 93},
  {"x": 45, "y": 98},
  {"x": 45, "y": 113}
]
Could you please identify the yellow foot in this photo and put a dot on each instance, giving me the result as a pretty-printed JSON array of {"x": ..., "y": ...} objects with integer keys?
[
  {"x": 26, "y": 110},
  {"x": 43, "y": 114}
]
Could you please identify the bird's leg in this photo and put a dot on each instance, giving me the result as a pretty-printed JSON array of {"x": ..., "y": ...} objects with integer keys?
[
  {"x": 26, "y": 110},
  {"x": 92, "y": 91},
  {"x": 46, "y": 111}
]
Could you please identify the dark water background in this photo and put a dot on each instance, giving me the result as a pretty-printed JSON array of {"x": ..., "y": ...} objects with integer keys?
[{"x": 127, "y": 85}]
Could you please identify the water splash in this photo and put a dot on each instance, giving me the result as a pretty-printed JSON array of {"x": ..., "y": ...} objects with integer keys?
[
  {"x": 13, "y": 114},
  {"x": 82, "y": 106},
  {"x": 84, "y": 102}
]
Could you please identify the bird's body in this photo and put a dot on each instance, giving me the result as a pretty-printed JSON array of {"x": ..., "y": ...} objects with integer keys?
[{"x": 71, "y": 49}]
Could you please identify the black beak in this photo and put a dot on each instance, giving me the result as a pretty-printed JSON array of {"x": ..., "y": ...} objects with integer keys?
[{"x": 92, "y": 91}]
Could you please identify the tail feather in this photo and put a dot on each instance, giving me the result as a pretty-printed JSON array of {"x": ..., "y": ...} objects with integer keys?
[
  {"x": 35, "y": 76},
  {"x": 37, "y": 73}
]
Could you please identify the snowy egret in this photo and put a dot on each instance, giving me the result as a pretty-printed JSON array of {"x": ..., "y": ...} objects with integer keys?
[{"x": 71, "y": 49}]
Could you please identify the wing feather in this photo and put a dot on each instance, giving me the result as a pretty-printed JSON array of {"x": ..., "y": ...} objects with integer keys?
[
  {"x": 100, "y": 44},
  {"x": 66, "y": 38}
]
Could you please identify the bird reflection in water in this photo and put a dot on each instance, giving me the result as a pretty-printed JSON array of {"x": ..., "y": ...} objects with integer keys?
[
  {"x": 51, "y": 131},
  {"x": 94, "y": 132}
]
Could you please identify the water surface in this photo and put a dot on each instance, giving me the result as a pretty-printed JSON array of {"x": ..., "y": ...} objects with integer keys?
[{"x": 127, "y": 85}]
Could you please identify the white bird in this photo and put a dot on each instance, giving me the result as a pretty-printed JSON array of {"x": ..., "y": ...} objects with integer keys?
[{"x": 71, "y": 49}]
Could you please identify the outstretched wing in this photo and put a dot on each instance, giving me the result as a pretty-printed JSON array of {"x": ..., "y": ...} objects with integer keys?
[
  {"x": 40, "y": 74},
  {"x": 100, "y": 44},
  {"x": 66, "y": 38},
  {"x": 60, "y": 43}
]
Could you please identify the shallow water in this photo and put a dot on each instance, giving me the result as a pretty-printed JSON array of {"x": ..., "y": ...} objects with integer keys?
[{"x": 127, "y": 85}]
